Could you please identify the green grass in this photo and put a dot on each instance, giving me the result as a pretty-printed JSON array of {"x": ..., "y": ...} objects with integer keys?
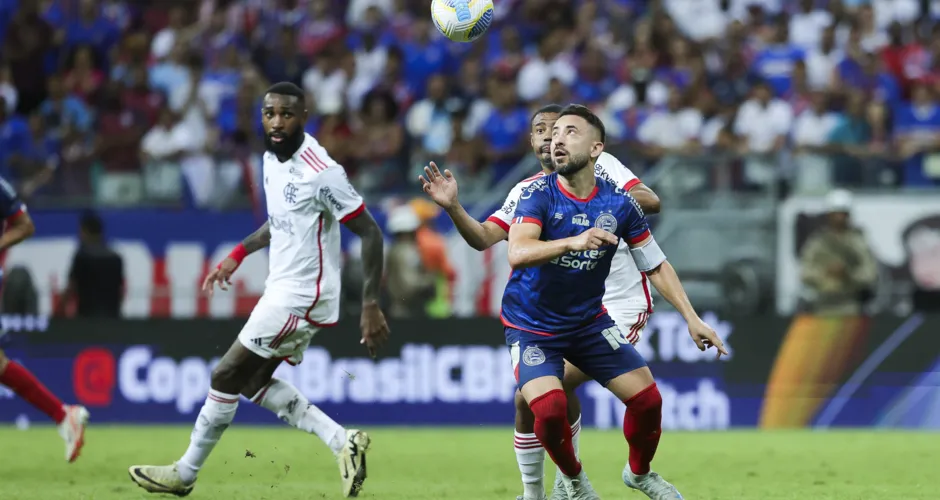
[{"x": 476, "y": 464}]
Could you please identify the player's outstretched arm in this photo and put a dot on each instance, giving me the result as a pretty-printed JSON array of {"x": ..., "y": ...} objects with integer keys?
[
  {"x": 19, "y": 227},
  {"x": 646, "y": 197},
  {"x": 527, "y": 250},
  {"x": 374, "y": 327},
  {"x": 222, "y": 274},
  {"x": 442, "y": 188}
]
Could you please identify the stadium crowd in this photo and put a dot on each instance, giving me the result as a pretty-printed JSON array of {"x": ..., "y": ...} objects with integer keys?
[{"x": 160, "y": 99}]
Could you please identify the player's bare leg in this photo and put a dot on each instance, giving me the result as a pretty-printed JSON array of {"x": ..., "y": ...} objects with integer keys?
[
  {"x": 70, "y": 419},
  {"x": 642, "y": 428},
  {"x": 291, "y": 406},
  {"x": 574, "y": 378},
  {"x": 546, "y": 398},
  {"x": 229, "y": 378}
]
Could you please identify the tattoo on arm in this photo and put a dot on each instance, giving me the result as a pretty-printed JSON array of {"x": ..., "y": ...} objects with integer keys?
[
  {"x": 373, "y": 254},
  {"x": 258, "y": 239}
]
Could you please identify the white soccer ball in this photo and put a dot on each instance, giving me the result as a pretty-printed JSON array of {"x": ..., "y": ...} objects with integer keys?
[{"x": 462, "y": 20}]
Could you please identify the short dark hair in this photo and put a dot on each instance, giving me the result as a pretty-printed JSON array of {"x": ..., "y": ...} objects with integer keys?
[
  {"x": 91, "y": 223},
  {"x": 588, "y": 115},
  {"x": 548, "y": 108},
  {"x": 286, "y": 88}
]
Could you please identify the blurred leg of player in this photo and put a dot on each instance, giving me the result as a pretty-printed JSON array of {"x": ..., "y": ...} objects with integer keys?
[
  {"x": 71, "y": 420},
  {"x": 273, "y": 332},
  {"x": 631, "y": 317},
  {"x": 613, "y": 362},
  {"x": 540, "y": 370}
]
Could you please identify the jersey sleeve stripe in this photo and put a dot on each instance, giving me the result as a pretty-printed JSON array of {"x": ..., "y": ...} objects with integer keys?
[
  {"x": 499, "y": 222},
  {"x": 642, "y": 236},
  {"x": 16, "y": 215},
  {"x": 632, "y": 183},
  {"x": 527, "y": 220},
  {"x": 313, "y": 160},
  {"x": 355, "y": 213}
]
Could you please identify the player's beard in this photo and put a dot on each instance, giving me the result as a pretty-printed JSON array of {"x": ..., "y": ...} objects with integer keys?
[
  {"x": 288, "y": 146},
  {"x": 575, "y": 164}
]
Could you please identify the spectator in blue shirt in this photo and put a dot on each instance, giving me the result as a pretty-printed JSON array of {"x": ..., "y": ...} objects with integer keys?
[
  {"x": 775, "y": 62},
  {"x": 65, "y": 115},
  {"x": 92, "y": 28},
  {"x": 505, "y": 132},
  {"x": 423, "y": 56},
  {"x": 917, "y": 130},
  {"x": 14, "y": 135}
]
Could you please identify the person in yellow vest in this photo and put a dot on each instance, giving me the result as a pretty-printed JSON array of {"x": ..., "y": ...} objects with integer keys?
[{"x": 433, "y": 248}]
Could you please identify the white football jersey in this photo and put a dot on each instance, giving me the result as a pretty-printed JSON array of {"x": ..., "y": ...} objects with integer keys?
[
  {"x": 624, "y": 280},
  {"x": 308, "y": 196}
]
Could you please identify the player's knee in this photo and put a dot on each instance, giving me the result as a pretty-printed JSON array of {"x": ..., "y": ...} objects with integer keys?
[
  {"x": 550, "y": 407},
  {"x": 223, "y": 377},
  {"x": 647, "y": 400}
]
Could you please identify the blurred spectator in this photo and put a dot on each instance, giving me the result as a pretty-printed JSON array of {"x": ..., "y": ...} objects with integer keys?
[
  {"x": 821, "y": 61},
  {"x": 549, "y": 62},
  {"x": 410, "y": 285},
  {"x": 505, "y": 132},
  {"x": 67, "y": 117},
  {"x": 8, "y": 91},
  {"x": 674, "y": 130},
  {"x": 379, "y": 143},
  {"x": 29, "y": 39},
  {"x": 762, "y": 126},
  {"x": 139, "y": 98},
  {"x": 811, "y": 131},
  {"x": 432, "y": 247},
  {"x": 775, "y": 63},
  {"x": 798, "y": 96},
  {"x": 319, "y": 28},
  {"x": 838, "y": 269},
  {"x": 700, "y": 20},
  {"x": 593, "y": 83},
  {"x": 83, "y": 77},
  {"x": 370, "y": 58},
  {"x": 423, "y": 56},
  {"x": 96, "y": 277},
  {"x": 281, "y": 62},
  {"x": 120, "y": 131},
  {"x": 164, "y": 40},
  {"x": 181, "y": 141},
  {"x": 91, "y": 28},
  {"x": 429, "y": 122},
  {"x": 327, "y": 81},
  {"x": 917, "y": 129},
  {"x": 808, "y": 24},
  {"x": 14, "y": 135},
  {"x": 38, "y": 159},
  {"x": 848, "y": 140}
]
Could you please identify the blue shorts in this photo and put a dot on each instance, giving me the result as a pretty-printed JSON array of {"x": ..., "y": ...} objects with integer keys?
[{"x": 603, "y": 354}]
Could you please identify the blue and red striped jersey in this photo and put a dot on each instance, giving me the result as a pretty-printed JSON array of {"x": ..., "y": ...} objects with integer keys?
[{"x": 566, "y": 294}]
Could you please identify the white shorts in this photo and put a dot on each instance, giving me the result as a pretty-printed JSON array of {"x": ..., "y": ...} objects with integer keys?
[
  {"x": 630, "y": 315},
  {"x": 274, "y": 331}
]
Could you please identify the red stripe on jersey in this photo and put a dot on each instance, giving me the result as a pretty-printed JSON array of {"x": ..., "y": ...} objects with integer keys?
[
  {"x": 308, "y": 159},
  {"x": 632, "y": 183},
  {"x": 317, "y": 160},
  {"x": 499, "y": 222},
  {"x": 642, "y": 236},
  {"x": 527, "y": 220},
  {"x": 646, "y": 292},
  {"x": 319, "y": 279},
  {"x": 355, "y": 213}
]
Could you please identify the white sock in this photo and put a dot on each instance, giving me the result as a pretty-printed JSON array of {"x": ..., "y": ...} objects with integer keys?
[
  {"x": 292, "y": 407},
  {"x": 576, "y": 435},
  {"x": 531, "y": 459},
  {"x": 214, "y": 417}
]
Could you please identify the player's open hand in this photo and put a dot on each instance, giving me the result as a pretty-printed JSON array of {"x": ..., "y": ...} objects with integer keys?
[
  {"x": 442, "y": 188},
  {"x": 593, "y": 239},
  {"x": 221, "y": 275},
  {"x": 374, "y": 328},
  {"x": 705, "y": 337}
]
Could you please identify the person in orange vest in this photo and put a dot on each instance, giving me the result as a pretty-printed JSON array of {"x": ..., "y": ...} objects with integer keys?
[{"x": 433, "y": 249}]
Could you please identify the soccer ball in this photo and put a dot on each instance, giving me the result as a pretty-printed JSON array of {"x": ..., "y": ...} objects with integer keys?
[{"x": 462, "y": 20}]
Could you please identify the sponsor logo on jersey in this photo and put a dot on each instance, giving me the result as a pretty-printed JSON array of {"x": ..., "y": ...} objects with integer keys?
[
  {"x": 559, "y": 216},
  {"x": 538, "y": 185},
  {"x": 283, "y": 225},
  {"x": 328, "y": 195},
  {"x": 607, "y": 222},
  {"x": 509, "y": 207},
  {"x": 585, "y": 260},
  {"x": 533, "y": 356},
  {"x": 581, "y": 220},
  {"x": 297, "y": 174},
  {"x": 290, "y": 193}
]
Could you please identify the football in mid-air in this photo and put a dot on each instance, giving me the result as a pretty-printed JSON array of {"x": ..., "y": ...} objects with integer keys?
[{"x": 462, "y": 20}]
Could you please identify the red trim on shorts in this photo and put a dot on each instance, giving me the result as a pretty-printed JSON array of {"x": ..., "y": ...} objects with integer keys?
[
  {"x": 499, "y": 222},
  {"x": 289, "y": 328},
  {"x": 646, "y": 291},
  {"x": 319, "y": 279},
  {"x": 287, "y": 359},
  {"x": 632, "y": 183},
  {"x": 222, "y": 400},
  {"x": 510, "y": 325},
  {"x": 572, "y": 196},
  {"x": 355, "y": 213}
]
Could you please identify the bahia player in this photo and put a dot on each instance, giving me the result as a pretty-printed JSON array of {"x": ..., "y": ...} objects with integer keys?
[
  {"x": 564, "y": 235},
  {"x": 308, "y": 196},
  {"x": 71, "y": 420},
  {"x": 627, "y": 298}
]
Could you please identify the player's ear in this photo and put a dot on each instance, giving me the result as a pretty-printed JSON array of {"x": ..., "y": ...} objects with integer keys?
[{"x": 596, "y": 149}]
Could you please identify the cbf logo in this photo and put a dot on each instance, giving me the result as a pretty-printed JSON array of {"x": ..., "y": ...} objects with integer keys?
[
  {"x": 290, "y": 193},
  {"x": 533, "y": 356}
]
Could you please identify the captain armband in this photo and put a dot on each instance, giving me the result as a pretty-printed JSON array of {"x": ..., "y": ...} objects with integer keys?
[{"x": 649, "y": 256}]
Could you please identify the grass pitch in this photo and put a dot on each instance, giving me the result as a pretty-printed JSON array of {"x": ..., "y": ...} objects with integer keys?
[{"x": 475, "y": 464}]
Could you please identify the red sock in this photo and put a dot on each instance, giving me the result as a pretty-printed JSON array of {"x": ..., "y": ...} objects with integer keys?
[
  {"x": 553, "y": 430},
  {"x": 642, "y": 427},
  {"x": 25, "y": 384}
]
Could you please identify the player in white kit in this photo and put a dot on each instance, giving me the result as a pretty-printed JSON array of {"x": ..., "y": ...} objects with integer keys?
[
  {"x": 627, "y": 298},
  {"x": 308, "y": 196}
]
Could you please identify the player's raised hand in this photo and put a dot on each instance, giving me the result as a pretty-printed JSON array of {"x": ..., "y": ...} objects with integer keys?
[
  {"x": 221, "y": 275},
  {"x": 442, "y": 188},
  {"x": 374, "y": 328},
  {"x": 593, "y": 239},
  {"x": 705, "y": 337}
]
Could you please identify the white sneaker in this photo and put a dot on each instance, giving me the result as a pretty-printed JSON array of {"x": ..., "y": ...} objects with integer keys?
[
  {"x": 652, "y": 484},
  {"x": 579, "y": 488},
  {"x": 558, "y": 489},
  {"x": 352, "y": 461},
  {"x": 72, "y": 430},
  {"x": 160, "y": 479}
]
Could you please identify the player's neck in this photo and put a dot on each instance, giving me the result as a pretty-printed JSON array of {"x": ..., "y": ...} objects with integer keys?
[{"x": 580, "y": 183}]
